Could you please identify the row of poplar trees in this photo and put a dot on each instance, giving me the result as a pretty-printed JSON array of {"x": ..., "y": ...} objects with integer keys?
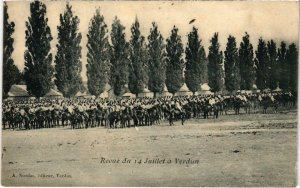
[{"x": 138, "y": 64}]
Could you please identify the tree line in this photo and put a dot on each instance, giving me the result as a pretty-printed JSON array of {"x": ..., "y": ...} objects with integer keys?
[{"x": 141, "y": 62}]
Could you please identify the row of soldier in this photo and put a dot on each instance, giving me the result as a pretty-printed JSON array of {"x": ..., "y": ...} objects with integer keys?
[{"x": 121, "y": 113}]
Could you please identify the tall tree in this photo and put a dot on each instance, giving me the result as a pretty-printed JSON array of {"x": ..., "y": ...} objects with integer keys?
[
  {"x": 119, "y": 58},
  {"x": 283, "y": 64},
  {"x": 246, "y": 63},
  {"x": 138, "y": 60},
  {"x": 11, "y": 73},
  {"x": 175, "y": 63},
  {"x": 157, "y": 67},
  {"x": 98, "y": 55},
  {"x": 292, "y": 59},
  {"x": 38, "y": 71},
  {"x": 195, "y": 61},
  {"x": 273, "y": 65},
  {"x": 67, "y": 60},
  {"x": 215, "y": 60},
  {"x": 261, "y": 61},
  {"x": 232, "y": 76},
  {"x": 204, "y": 69}
]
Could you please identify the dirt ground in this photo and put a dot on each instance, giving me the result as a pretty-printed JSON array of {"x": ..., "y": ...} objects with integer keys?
[{"x": 245, "y": 150}]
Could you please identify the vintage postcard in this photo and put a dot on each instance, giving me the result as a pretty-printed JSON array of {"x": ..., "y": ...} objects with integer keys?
[{"x": 149, "y": 93}]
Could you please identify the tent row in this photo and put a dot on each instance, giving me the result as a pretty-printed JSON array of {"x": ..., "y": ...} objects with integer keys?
[
  {"x": 109, "y": 93},
  {"x": 19, "y": 91}
]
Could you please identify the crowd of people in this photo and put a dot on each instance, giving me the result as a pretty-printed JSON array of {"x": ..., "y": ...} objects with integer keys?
[{"x": 129, "y": 112}]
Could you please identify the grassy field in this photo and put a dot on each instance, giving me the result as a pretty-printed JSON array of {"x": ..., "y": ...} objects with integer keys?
[{"x": 245, "y": 150}]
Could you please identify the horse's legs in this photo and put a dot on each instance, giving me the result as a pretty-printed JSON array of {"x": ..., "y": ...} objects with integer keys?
[
  {"x": 98, "y": 122},
  {"x": 264, "y": 110},
  {"x": 87, "y": 124},
  {"x": 182, "y": 119},
  {"x": 112, "y": 125},
  {"x": 101, "y": 122},
  {"x": 128, "y": 122},
  {"x": 170, "y": 121}
]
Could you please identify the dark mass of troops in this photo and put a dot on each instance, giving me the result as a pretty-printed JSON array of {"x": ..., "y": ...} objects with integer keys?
[{"x": 132, "y": 112}]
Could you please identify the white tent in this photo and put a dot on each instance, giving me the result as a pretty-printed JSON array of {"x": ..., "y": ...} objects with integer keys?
[
  {"x": 81, "y": 94},
  {"x": 244, "y": 91},
  {"x": 146, "y": 93},
  {"x": 277, "y": 90},
  {"x": 165, "y": 92},
  {"x": 267, "y": 90},
  {"x": 205, "y": 87},
  {"x": 184, "y": 90},
  {"x": 108, "y": 92},
  {"x": 54, "y": 94},
  {"x": 104, "y": 95},
  {"x": 204, "y": 90},
  {"x": 128, "y": 95},
  {"x": 255, "y": 89},
  {"x": 18, "y": 91}
]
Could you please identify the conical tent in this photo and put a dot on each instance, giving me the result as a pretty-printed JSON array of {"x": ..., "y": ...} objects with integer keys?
[
  {"x": 53, "y": 93},
  {"x": 165, "y": 92},
  {"x": 184, "y": 90},
  {"x": 146, "y": 93},
  {"x": 277, "y": 90},
  {"x": 18, "y": 91},
  {"x": 204, "y": 89}
]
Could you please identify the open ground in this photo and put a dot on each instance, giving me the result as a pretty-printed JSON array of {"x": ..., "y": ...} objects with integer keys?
[{"x": 244, "y": 150}]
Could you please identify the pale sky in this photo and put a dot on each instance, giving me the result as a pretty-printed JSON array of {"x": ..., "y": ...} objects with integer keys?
[{"x": 270, "y": 20}]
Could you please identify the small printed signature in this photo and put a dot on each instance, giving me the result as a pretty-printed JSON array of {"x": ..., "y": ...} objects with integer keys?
[{"x": 41, "y": 175}]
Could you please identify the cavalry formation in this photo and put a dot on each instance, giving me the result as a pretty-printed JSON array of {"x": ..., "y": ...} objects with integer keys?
[{"x": 121, "y": 113}]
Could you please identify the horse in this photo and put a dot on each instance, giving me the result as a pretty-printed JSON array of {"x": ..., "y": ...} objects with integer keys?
[
  {"x": 154, "y": 114},
  {"x": 40, "y": 118},
  {"x": 175, "y": 115},
  {"x": 254, "y": 103},
  {"x": 246, "y": 105},
  {"x": 239, "y": 103},
  {"x": 89, "y": 116},
  {"x": 220, "y": 108},
  {"x": 195, "y": 109},
  {"x": 114, "y": 119},
  {"x": 268, "y": 102},
  {"x": 32, "y": 120},
  {"x": 55, "y": 116},
  {"x": 104, "y": 116},
  {"x": 78, "y": 120},
  {"x": 210, "y": 109},
  {"x": 48, "y": 119},
  {"x": 187, "y": 108},
  {"x": 138, "y": 116},
  {"x": 228, "y": 104},
  {"x": 7, "y": 118},
  {"x": 18, "y": 120},
  {"x": 126, "y": 117},
  {"x": 65, "y": 118}
]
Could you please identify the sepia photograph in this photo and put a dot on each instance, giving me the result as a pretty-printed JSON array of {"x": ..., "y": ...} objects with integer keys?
[{"x": 149, "y": 93}]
